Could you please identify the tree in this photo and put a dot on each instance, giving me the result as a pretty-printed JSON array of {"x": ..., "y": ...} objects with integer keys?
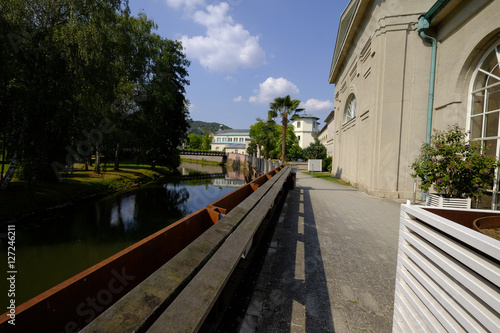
[
  {"x": 284, "y": 107},
  {"x": 206, "y": 141},
  {"x": 262, "y": 134},
  {"x": 293, "y": 149},
  {"x": 58, "y": 78},
  {"x": 316, "y": 150},
  {"x": 164, "y": 110},
  {"x": 78, "y": 76},
  {"x": 195, "y": 141}
]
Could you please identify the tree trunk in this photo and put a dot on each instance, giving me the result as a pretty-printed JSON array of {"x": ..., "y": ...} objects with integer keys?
[
  {"x": 283, "y": 137},
  {"x": 10, "y": 173},
  {"x": 97, "y": 166},
  {"x": 117, "y": 157}
]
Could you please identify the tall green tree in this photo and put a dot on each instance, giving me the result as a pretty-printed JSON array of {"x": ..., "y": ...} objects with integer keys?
[
  {"x": 284, "y": 107},
  {"x": 79, "y": 75},
  {"x": 293, "y": 149},
  {"x": 164, "y": 110},
  {"x": 206, "y": 141},
  {"x": 60, "y": 62},
  {"x": 195, "y": 141},
  {"x": 262, "y": 134}
]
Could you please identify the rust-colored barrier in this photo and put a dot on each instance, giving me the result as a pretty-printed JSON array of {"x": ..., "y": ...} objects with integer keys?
[{"x": 77, "y": 301}]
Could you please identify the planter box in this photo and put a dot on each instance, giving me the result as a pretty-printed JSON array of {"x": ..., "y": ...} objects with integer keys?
[
  {"x": 435, "y": 200},
  {"x": 448, "y": 275}
]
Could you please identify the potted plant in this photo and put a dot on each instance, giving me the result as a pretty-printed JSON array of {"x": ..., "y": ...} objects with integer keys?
[{"x": 454, "y": 167}]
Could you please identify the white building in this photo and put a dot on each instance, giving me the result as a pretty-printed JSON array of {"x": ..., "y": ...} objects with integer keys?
[
  {"x": 231, "y": 141},
  {"x": 306, "y": 129},
  {"x": 402, "y": 69}
]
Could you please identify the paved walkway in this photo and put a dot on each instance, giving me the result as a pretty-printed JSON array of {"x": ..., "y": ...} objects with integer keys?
[{"x": 332, "y": 263}]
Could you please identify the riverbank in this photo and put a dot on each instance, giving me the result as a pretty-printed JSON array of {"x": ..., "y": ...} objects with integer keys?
[{"x": 22, "y": 199}]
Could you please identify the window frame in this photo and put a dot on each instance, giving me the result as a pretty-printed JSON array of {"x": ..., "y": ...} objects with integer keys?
[
  {"x": 477, "y": 120},
  {"x": 349, "y": 113}
]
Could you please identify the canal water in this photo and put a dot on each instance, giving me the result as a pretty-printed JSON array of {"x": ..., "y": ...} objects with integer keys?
[{"x": 52, "y": 249}]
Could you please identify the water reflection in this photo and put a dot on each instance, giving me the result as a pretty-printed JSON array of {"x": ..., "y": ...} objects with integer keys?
[
  {"x": 123, "y": 213},
  {"x": 50, "y": 250}
]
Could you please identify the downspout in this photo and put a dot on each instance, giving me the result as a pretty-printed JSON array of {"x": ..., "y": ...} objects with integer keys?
[{"x": 423, "y": 24}]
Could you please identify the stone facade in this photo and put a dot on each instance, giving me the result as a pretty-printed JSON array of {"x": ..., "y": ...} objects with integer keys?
[{"x": 381, "y": 71}]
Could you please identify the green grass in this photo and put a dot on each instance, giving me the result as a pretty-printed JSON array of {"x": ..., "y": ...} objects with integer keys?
[
  {"x": 328, "y": 176},
  {"x": 21, "y": 198}
]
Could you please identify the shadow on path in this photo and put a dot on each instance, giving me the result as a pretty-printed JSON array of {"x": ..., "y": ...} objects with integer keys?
[{"x": 297, "y": 298}]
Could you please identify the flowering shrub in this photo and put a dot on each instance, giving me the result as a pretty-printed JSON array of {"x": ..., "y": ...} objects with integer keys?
[{"x": 454, "y": 166}]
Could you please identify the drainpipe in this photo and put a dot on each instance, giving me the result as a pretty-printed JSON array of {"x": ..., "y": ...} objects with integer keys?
[{"x": 423, "y": 24}]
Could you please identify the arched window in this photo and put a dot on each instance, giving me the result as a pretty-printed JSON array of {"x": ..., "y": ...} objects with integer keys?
[
  {"x": 350, "y": 109},
  {"x": 485, "y": 106}
]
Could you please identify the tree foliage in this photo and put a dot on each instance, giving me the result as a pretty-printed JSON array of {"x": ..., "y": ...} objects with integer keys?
[
  {"x": 79, "y": 77},
  {"x": 292, "y": 148},
  {"x": 195, "y": 141},
  {"x": 284, "y": 107},
  {"x": 263, "y": 134},
  {"x": 316, "y": 150}
]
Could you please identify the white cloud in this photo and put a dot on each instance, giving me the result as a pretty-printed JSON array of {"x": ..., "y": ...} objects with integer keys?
[
  {"x": 226, "y": 46},
  {"x": 188, "y": 4},
  {"x": 272, "y": 88},
  {"x": 313, "y": 104},
  {"x": 238, "y": 99}
]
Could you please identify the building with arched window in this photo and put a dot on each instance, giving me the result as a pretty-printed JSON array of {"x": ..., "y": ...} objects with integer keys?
[{"x": 404, "y": 68}]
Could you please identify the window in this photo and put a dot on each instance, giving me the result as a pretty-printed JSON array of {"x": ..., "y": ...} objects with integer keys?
[
  {"x": 242, "y": 139},
  {"x": 485, "y": 107},
  {"x": 218, "y": 139},
  {"x": 350, "y": 109},
  {"x": 298, "y": 124},
  {"x": 230, "y": 139}
]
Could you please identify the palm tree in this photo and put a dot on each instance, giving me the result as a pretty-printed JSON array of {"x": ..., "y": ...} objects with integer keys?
[{"x": 284, "y": 107}]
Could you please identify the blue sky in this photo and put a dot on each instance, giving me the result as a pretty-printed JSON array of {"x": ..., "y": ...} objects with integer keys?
[{"x": 244, "y": 53}]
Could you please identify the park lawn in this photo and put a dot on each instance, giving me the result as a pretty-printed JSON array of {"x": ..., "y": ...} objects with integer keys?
[
  {"x": 22, "y": 198},
  {"x": 328, "y": 176}
]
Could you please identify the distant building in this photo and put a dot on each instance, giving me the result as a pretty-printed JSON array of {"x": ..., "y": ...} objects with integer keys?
[
  {"x": 306, "y": 129},
  {"x": 330, "y": 135},
  {"x": 231, "y": 141}
]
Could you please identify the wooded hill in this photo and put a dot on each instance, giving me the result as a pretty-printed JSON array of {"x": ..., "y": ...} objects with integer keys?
[{"x": 201, "y": 127}]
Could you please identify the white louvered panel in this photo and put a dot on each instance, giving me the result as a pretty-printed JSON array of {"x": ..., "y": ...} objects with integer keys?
[
  {"x": 427, "y": 320},
  {"x": 436, "y": 308},
  {"x": 465, "y": 254},
  {"x": 485, "y": 290},
  {"x": 448, "y": 276},
  {"x": 459, "y": 288},
  {"x": 411, "y": 319},
  {"x": 459, "y": 315}
]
